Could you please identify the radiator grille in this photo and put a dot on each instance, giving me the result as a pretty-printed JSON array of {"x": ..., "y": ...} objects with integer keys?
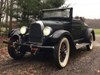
[{"x": 35, "y": 33}]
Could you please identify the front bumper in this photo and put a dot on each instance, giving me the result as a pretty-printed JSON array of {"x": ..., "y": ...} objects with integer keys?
[{"x": 29, "y": 45}]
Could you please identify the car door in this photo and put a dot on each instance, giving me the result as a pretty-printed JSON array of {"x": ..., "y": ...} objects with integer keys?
[{"x": 76, "y": 29}]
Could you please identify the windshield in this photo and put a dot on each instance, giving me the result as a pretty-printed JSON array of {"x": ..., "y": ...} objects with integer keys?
[{"x": 56, "y": 13}]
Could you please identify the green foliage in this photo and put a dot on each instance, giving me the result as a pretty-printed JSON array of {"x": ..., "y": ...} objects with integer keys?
[
  {"x": 27, "y": 8},
  {"x": 54, "y": 3},
  {"x": 97, "y": 31},
  {"x": 31, "y": 8}
]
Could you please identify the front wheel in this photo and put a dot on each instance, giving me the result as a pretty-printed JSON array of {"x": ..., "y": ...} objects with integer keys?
[
  {"x": 15, "y": 51},
  {"x": 62, "y": 52}
]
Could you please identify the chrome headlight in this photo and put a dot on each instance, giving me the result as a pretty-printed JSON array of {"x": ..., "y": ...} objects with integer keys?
[
  {"x": 47, "y": 30},
  {"x": 23, "y": 29}
]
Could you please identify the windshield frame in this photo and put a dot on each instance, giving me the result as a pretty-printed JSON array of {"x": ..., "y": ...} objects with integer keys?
[{"x": 58, "y": 9}]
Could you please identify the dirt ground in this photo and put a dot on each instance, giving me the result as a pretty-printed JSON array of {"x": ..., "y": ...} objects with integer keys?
[{"x": 82, "y": 63}]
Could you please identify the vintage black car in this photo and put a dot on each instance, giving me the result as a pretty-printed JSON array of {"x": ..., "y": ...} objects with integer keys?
[{"x": 56, "y": 31}]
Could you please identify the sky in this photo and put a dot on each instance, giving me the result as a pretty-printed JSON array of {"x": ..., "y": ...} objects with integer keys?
[{"x": 85, "y": 8}]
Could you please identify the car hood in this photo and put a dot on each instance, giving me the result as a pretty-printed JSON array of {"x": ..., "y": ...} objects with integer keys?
[
  {"x": 56, "y": 25},
  {"x": 50, "y": 23}
]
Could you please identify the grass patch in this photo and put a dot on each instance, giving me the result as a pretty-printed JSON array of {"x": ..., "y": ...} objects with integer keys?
[{"x": 97, "y": 31}]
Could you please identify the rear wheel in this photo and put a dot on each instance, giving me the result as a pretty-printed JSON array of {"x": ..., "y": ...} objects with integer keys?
[
  {"x": 15, "y": 51},
  {"x": 61, "y": 52},
  {"x": 90, "y": 46}
]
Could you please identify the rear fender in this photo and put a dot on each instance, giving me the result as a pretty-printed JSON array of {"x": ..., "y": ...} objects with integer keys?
[
  {"x": 93, "y": 33},
  {"x": 88, "y": 32}
]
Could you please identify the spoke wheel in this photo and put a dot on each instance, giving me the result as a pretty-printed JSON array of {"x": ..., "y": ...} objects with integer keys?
[
  {"x": 15, "y": 51},
  {"x": 61, "y": 52}
]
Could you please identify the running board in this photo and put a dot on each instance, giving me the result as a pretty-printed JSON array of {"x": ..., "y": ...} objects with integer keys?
[
  {"x": 78, "y": 40},
  {"x": 81, "y": 45}
]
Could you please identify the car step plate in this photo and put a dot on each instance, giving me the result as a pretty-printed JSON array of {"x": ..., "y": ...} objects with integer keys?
[{"x": 81, "y": 45}]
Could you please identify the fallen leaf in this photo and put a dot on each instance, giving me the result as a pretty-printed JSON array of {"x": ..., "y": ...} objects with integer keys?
[{"x": 98, "y": 71}]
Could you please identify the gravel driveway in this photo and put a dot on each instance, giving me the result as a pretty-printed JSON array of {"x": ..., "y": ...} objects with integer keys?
[{"x": 82, "y": 63}]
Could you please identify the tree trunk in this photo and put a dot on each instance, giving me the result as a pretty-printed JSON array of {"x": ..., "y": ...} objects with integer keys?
[
  {"x": 7, "y": 17},
  {"x": 11, "y": 12},
  {"x": 1, "y": 4}
]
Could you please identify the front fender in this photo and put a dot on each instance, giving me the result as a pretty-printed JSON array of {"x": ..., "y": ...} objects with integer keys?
[
  {"x": 63, "y": 33},
  {"x": 13, "y": 33},
  {"x": 60, "y": 33}
]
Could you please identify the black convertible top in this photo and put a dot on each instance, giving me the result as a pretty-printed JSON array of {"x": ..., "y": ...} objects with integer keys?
[{"x": 56, "y": 9}]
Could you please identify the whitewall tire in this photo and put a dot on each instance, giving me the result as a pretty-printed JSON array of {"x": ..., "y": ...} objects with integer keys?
[{"x": 62, "y": 52}]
